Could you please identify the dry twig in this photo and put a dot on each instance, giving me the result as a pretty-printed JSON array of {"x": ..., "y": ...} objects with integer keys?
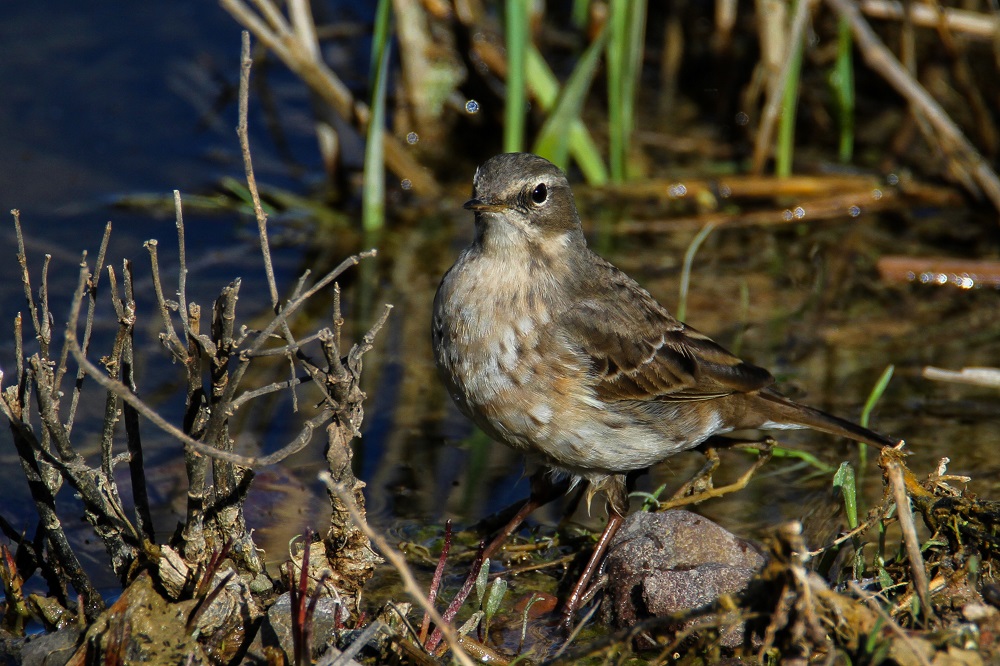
[
  {"x": 951, "y": 138},
  {"x": 399, "y": 562},
  {"x": 978, "y": 25},
  {"x": 905, "y": 514},
  {"x": 269, "y": 25},
  {"x": 989, "y": 377},
  {"x": 765, "y": 132}
]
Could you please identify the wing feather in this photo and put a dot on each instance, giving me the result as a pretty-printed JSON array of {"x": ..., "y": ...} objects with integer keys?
[{"x": 638, "y": 351}]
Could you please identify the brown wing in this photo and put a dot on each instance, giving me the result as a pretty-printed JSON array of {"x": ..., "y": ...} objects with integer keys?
[{"x": 638, "y": 351}]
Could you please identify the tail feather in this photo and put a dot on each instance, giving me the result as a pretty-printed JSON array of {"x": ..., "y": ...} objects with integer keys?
[{"x": 783, "y": 410}]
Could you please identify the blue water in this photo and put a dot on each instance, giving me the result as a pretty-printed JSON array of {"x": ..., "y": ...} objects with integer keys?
[{"x": 103, "y": 101}]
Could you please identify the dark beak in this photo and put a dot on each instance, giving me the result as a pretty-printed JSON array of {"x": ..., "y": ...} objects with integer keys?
[{"x": 480, "y": 206}]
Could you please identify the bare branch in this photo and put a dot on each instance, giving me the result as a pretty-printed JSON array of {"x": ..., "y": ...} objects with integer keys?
[
  {"x": 19, "y": 353},
  {"x": 169, "y": 335},
  {"x": 265, "y": 390},
  {"x": 246, "y": 461},
  {"x": 288, "y": 349},
  {"x": 338, "y": 316},
  {"x": 265, "y": 247},
  {"x": 182, "y": 262},
  {"x": 43, "y": 299},
  {"x": 870, "y": 599},
  {"x": 49, "y": 523},
  {"x": 905, "y": 514},
  {"x": 88, "y": 327},
  {"x": 367, "y": 342},
  {"x": 133, "y": 439},
  {"x": 22, "y": 259},
  {"x": 292, "y": 306},
  {"x": 244, "y": 136}
]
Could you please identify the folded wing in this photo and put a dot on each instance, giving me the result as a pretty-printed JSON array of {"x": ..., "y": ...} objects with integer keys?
[{"x": 638, "y": 351}]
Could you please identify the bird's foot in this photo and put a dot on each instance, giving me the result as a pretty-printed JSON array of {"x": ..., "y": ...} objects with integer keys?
[{"x": 701, "y": 488}]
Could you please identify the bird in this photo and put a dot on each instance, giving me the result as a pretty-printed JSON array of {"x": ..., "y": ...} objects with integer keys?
[{"x": 553, "y": 351}]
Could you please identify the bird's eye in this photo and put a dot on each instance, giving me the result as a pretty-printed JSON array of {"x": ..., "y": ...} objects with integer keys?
[{"x": 539, "y": 194}]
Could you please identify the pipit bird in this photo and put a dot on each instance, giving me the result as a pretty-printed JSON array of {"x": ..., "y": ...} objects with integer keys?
[{"x": 556, "y": 353}]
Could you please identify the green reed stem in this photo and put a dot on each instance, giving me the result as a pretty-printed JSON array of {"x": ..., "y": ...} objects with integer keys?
[
  {"x": 545, "y": 87},
  {"x": 635, "y": 51},
  {"x": 373, "y": 190},
  {"x": 580, "y": 13},
  {"x": 518, "y": 29},
  {"x": 737, "y": 345},
  {"x": 785, "y": 150},
  {"x": 843, "y": 88},
  {"x": 554, "y": 139},
  {"x": 380, "y": 38},
  {"x": 627, "y": 23},
  {"x": 686, "y": 268}
]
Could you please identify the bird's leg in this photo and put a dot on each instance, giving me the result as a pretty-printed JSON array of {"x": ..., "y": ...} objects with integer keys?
[
  {"x": 615, "y": 521},
  {"x": 543, "y": 491},
  {"x": 698, "y": 489},
  {"x": 616, "y": 488}
]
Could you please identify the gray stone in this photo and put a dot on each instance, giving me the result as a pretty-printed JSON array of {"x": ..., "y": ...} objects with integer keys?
[
  {"x": 53, "y": 649},
  {"x": 664, "y": 563},
  {"x": 276, "y": 630}
]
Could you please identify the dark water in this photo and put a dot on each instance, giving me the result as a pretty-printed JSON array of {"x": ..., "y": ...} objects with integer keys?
[
  {"x": 108, "y": 101},
  {"x": 119, "y": 99}
]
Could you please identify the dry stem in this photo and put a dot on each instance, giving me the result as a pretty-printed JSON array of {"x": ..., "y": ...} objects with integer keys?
[
  {"x": 399, "y": 562},
  {"x": 951, "y": 138}
]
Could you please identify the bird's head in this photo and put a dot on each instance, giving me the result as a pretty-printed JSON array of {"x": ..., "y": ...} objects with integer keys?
[{"x": 523, "y": 199}]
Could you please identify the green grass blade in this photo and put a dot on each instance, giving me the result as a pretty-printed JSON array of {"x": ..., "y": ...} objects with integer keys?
[
  {"x": 880, "y": 386},
  {"x": 517, "y": 33},
  {"x": 580, "y": 13},
  {"x": 617, "y": 21},
  {"x": 497, "y": 591},
  {"x": 635, "y": 48},
  {"x": 686, "y": 269},
  {"x": 844, "y": 479},
  {"x": 553, "y": 140},
  {"x": 545, "y": 87},
  {"x": 842, "y": 79},
  {"x": 586, "y": 153},
  {"x": 535, "y": 598},
  {"x": 785, "y": 150},
  {"x": 627, "y": 23},
  {"x": 380, "y": 38},
  {"x": 804, "y": 456},
  {"x": 373, "y": 193},
  {"x": 482, "y": 579}
]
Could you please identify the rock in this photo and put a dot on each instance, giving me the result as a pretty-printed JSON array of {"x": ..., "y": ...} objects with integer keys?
[
  {"x": 52, "y": 649},
  {"x": 143, "y": 627},
  {"x": 664, "y": 563},
  {"x": 276, "y": 631},
  {"x": 231, "y": 610}
]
